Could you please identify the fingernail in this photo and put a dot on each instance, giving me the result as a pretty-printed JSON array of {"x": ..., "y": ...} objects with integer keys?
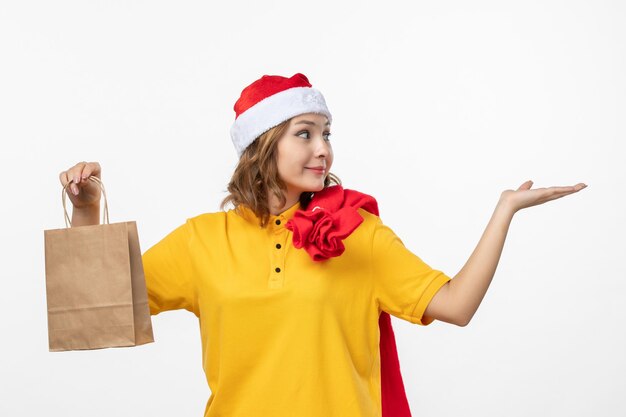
[{"x": 75, "y": 190}]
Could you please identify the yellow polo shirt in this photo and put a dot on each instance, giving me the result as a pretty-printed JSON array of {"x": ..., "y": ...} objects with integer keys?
[{"x": 283, "y": 335}]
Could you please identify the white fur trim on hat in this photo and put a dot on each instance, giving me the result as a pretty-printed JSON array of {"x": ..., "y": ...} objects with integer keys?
[{"x": 274, "y": 110}]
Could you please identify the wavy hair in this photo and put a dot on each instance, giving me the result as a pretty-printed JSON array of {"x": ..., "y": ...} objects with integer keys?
[{"x": 257, "y": 173}]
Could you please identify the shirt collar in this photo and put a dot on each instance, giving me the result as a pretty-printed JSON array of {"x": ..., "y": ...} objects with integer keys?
[{"x": 287, "y": 214}]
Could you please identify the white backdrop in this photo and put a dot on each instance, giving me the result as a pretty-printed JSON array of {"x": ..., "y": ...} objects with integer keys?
[{"x": 438, "y": 107}]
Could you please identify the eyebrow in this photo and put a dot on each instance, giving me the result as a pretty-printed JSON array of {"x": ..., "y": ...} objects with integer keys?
[{"x": 308, "y": 122}]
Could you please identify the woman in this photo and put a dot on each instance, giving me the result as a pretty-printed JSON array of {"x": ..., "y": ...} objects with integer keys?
[{"x": 294, "y": 286}]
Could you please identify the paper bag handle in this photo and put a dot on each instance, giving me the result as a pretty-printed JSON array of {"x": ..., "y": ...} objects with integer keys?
[{"x": 105, "y": 214}]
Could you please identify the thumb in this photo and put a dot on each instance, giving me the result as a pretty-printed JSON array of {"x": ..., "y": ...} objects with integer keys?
[{"x": 526, "y": 185}]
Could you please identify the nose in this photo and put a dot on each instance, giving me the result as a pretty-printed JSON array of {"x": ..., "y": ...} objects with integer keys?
[{"x": 322, "y": 147}]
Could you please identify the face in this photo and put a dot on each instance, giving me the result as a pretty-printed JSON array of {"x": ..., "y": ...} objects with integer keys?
[{"x": 305, "y": 154}]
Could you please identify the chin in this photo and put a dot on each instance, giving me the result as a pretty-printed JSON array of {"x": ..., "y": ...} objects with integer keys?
[
  {"x": 318, "y": 187},
  {"x": 311, "y": 188}
]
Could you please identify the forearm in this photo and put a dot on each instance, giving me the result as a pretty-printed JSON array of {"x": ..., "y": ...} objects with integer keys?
[
  {"x": 468, "y": 287},
  {"x": 85, "y": 216}
]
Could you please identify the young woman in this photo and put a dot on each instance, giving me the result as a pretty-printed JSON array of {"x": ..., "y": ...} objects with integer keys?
[{"x": 294, "y": 286}]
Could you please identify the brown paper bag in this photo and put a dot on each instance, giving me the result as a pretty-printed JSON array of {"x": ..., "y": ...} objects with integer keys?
[{"x": 95, "y": 285}]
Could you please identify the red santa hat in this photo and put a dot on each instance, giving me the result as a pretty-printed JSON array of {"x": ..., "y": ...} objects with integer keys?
[{"x": 271, "y": 100}]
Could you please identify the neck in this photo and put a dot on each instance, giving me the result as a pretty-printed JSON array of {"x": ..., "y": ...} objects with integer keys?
[{"x": 274, "y": 204}]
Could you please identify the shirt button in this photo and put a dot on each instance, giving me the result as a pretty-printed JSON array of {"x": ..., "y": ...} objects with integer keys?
[
  {"x": 278, "y": 246},
  {"x": 277, "y": 222},
  {"x": 277, "y": 269}
]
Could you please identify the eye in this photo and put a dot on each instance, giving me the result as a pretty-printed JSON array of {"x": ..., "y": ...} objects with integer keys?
[
  {"x": 302, "y": 132},
  {"x": 327, "y": 134}
]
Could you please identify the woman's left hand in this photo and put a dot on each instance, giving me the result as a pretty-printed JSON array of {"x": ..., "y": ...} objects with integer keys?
[{"x": 524, "y": 197}]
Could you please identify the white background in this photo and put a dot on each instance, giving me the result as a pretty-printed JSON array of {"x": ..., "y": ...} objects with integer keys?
[{"x": 438, "y": 107}]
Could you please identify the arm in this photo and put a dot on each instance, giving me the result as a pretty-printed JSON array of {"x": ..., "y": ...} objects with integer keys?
[
  {"x": 85, "y": 216},
  {"x": 457, "y": 301}
]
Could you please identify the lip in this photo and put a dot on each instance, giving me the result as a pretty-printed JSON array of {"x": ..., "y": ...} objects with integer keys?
[{"x": 317, "y": 169}]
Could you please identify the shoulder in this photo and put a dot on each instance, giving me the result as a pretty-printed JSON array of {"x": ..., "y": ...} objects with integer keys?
[
  {"x": 204, "y": 222},
  {"x": 218, "y": 222},
  {"x": 370, "y": 220},
  {"x": 366, "y": 204},
  {"x": 364, "y": 233},
  {"x": 374, "y": 230},
  {"x": 207, "y": 217}
]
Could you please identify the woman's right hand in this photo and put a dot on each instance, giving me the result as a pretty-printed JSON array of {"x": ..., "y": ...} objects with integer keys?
[{"x": 82, "y": 191}]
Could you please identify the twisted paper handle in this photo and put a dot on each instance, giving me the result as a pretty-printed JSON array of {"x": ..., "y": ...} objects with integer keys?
[{"x": 105, "y": 214}]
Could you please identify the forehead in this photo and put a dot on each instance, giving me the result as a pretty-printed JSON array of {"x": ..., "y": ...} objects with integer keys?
[{"x": 318, "y": 119}]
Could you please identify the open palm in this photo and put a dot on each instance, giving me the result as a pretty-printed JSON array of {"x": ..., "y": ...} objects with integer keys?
[{"x": 524, "y": 197}]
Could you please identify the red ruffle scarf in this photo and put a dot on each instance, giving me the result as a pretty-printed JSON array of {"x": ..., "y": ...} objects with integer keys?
[{"x": 332, "y": 216}]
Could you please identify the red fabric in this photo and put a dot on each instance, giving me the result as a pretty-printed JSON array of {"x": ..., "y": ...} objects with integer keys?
[
  {"x": 329, "y": 218},
  {"x": 266, "y": 86}
]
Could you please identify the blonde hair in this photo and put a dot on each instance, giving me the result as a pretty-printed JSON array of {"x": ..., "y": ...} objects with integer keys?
[{"x": 257, "y": 173}]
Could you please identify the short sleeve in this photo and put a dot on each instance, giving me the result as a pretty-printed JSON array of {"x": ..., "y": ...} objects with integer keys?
[
  {"x": 403, "y": 283},
  {"x": 169, "y": 273}
]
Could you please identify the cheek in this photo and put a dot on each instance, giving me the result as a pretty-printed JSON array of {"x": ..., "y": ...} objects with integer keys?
[{"x": 290, "y": 168}]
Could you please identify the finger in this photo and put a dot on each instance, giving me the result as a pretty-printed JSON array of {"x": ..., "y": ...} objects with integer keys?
[
  {"x": 92, "y": 168},
  {"x": 71, "y": 188},
  {"x": 68, "y": 181},
  {"x": 77, "y": 171},
  {"x": 66, "y": 178},
  {"x": 576, "y": 187},
  {"x": 558, "y": 192},
  {"x": 86, "y": 171},
  {"x": 75, "y": 177},
  {"x": 564, "y": 189},
  {"x": 556, "y": 197},
  {"x": 63, "y": 178}
]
